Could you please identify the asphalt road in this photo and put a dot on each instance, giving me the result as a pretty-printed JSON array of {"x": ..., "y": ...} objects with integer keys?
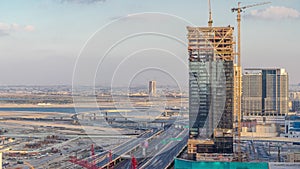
[
  {"x": 166, "y": 155},
  {"x": 126, "y": 147}
]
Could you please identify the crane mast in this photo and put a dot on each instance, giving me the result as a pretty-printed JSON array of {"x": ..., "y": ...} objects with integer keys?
[{"x": 238, "y": 72}]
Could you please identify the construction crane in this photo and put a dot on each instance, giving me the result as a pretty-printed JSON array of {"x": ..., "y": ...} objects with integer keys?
[
  {"x": 111, "y": 165},
  {"x": 239, "y": 10},
  {"x": 93, "y": 154},
  {"x": 85, "y": 163},
  {"x": 134, "y": 162}
]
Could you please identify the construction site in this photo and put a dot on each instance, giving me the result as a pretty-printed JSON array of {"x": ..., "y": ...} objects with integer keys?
[
  {"x": 213, "y": 59},
  {"x": 200, "y": 130},
  {"x": 41, "y": 137}
]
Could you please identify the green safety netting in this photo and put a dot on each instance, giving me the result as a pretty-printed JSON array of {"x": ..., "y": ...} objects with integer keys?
[{"x": 185, "y": 164}]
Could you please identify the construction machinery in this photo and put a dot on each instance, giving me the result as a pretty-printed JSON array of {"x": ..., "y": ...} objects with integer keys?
[
  {"x": 134, "y": 162},
  {"x": 238, "y": 70},
  {"x": 85, "y": 163}
]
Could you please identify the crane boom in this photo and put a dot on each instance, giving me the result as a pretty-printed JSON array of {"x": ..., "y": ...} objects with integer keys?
[
  {"x": 259, "y": 4},
  {"x": 248, "y": 6}
]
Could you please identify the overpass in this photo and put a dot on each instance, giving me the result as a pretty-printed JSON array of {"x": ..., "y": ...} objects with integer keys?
[
  {"x": 126, "y": 148},
  {"x": 271, "y": 139},
  {"x": 165, "y": 157}
]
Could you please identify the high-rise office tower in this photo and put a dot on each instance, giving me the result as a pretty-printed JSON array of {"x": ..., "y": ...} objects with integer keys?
[
  {"x": 265, "y": 92},
  {"x": 211, "y": 90},
  {"x": 152, "y": 88}
]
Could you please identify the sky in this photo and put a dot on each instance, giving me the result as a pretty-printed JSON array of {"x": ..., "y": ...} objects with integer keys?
[{"x": 55, "y": 42}]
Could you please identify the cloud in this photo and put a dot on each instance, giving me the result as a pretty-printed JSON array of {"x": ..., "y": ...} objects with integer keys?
[
  {"x": 29, "y": 28},
  {"x": 82, "y": 1},
  {"x": 6, "y": 29},
  {"x": 275, "y": 13},
  {"x": 158, "y": 17}
]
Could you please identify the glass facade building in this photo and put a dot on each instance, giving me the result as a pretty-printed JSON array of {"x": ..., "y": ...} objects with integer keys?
[
  {"x": 265, "y": 92},
  {"x": 211, "y": 80}
]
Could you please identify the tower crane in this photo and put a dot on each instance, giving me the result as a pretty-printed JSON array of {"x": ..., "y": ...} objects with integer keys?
[{"x": 239, "y": 10}]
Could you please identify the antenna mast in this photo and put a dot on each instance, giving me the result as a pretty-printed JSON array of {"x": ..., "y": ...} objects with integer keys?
[{"x": 210, "y": 21}]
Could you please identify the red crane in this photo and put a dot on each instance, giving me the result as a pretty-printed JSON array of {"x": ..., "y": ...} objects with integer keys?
[
  {"x": 133, "y": 163},
  {"x": 85, "y": 163},
  {"x": 92, "y": 165},
  {"x": 92, "y": 150},
  {"x": 82, "y": 163},
  {"x": 111, "y": 165},
  {"x": 93, "y": 154}
]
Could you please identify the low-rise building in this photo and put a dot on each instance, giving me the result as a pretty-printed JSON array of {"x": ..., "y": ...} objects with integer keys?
[
  {"x": 292, "y": 127},
  {"x": 293, "y": 157},
  {"x": 266, "y": 130}
]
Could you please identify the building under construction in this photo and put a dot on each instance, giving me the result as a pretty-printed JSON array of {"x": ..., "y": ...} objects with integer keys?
[
  {"x": 215, "y": 88},
  {"x": 211, "y": 90}
]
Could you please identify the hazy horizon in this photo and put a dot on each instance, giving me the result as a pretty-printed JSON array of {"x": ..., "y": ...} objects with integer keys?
[{"x": 41, "y": 40}]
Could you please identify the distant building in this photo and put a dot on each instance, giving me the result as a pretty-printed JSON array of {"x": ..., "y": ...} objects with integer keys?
[
  {"x": 152, "y": 88},
  {"x": 265, "y": 92},
  {"x": 296, "y": 105},
  {"x": 294, "y": 98},
  {"x": 294, "y": 95}
]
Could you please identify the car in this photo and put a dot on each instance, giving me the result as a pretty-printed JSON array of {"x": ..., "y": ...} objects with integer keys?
[{"x": 20, "y": 162}]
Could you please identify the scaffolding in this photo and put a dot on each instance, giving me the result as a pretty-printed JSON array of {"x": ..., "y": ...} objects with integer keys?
[
  {"x": 210, "y": 45},
  {"x": 206, "y": 39}
]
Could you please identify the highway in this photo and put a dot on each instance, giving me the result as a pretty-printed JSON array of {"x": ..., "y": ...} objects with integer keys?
[
  {"x": 169, "y": 143},
  {"x": 102, "y": 159},
  {"x": 165, "y": 146},
  {"x": 163, "y": 158},
  {"x": 126, "y": 147}
]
